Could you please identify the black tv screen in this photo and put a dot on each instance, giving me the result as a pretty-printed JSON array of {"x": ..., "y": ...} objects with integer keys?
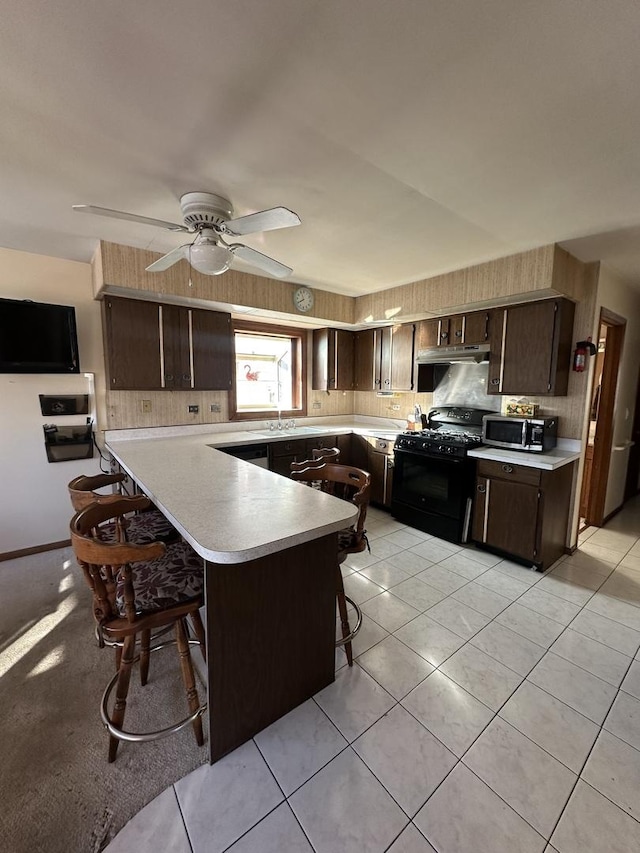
[{"x": 37, "y": 338}]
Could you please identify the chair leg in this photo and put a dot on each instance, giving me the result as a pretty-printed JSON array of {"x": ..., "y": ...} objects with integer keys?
[
  {"x": 188, "y": 678},
  {"x": 344, "y": 618},
  {"x": 122, "y": 688},
  {"x": 198, "y": 627},
  {"x": 145, "y": 642}
]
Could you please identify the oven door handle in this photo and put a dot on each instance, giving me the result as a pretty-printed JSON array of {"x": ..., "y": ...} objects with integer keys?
[{"x": 417, "y": 454}]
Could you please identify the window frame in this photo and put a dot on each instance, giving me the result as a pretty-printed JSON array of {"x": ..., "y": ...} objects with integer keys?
[{"x": 299, "y": 340}]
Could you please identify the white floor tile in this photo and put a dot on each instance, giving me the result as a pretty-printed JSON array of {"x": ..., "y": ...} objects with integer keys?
[
  {"x": 631, "y": 683},
  {"x": 362, "y": 559},
  {"x": 501, "y": 583},
  {"x": 593, "y": 824},
  {"x": 565, "y": 588},
  {"x": 354, "y": 701},
  {"x": 549, "y": 605},
  {"x": 511, "y": 649},
  {"x": 404, "y": 539},
  {"x": 454, "y": 716},
  {"x": 623, "y": 584},
  {"x": 463, "y": 565},
  {"x": 596, "y": 658},
  {"x": 385, "y": 574},
  {"x": 613, "y": 769},
  {"x": 442, "y": 579},
  {"x": 531, "y": 781},
  {"x": 466, "y": 816},
  {"x": 600, "y": 552},
  {"x": 612, "y": 608},
  {"x": 557, "y": 728},
  {"x": 389, "y": 611},
  {"x": 582, "y": 576},
  {"x": 576, "y": 687},
  {"x": 457, "y": 617},
  {"x": 606, "y": 631},
  {"x": 623, "y": 719},
  {"x": 433, "y": 551},
  {"x": 523, "y": 574},
  {"x": 409, "y": 562},
  {"x": 429, "y": 639},
  {"x": 369, "y": 634},
  {"x": 526, "y": 622},
  {"x": 395, "y": 666},
  {"x": 383, "y": 547},
  {"x": 418, "y": 594},
  {"x": 485, "y": 558},
  {"x": 481, "y": 675},
  {"x": 297, "y": 745},
  {"x": 220, "y": 802},
  {"x": 411, "y": 841},
  {"x": 482, "y": 599},
  {"x": 632, "y": 560},
  {"x": 158, "y": 826},
  {"x": 344, "y": 808},
  {"x": 278, "y": 832},
  {"x": 359, "y": 588},
  {"x": 408, "y": 760},
  {"x": 588, "y": 561}
]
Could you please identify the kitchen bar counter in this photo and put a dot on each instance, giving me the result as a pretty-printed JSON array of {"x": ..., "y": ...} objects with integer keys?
[{"x": 270, "y": 548}]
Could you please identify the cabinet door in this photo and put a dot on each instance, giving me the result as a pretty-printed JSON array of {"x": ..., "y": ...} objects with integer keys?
[
  {"x": 428, "y": 334},
  {"x": 343, "y": 443},
  {"x": 457, "y": 330},
  {"x": 402, "y": 357},
  {"x": 333, "y": 360},
  {"x": 366, "y": 368},
  {"x": 385, "y": 345},
  {"x": 132, "y": 344},
  {"x": 175, "y": 347},
  {"x": 320, "y": 367},
  {"x": 506, "y": 516},
  {"x": 535, "y": 355},
  {"x": 212, "y": 348},
  {"x": 476, "y": 327},
  {"x": 376, "y": 467},
  {"x": 344, "y": 359}
]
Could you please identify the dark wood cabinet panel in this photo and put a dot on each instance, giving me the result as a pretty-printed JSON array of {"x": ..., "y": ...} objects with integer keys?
[
  {"x": 295, "y": 447},
  {"x": 343, "y": 443},
  {"x": 376, "y": 467},
  {"x": 333, "y": 360},
  {"x": 531, "y": 348},
  {"x": 458, "y": 329},
  {"x": 428, "y": 333},
  {"x": 132, "y": 344},
  {"x": 175, "y": 347},
  {"x": 359, "y": 452},
  {"x": 384, "y": 358},
  {"x": 366, "y": 375},
  {"x": 212, "y": 343},
  {"x": 476, "y": 327},
  {"x": 402, "y": 357},
  {"x": 522, "y": 512}
]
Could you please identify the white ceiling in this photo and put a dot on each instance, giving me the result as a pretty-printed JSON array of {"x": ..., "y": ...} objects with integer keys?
[{"x": 411, "y": 136}]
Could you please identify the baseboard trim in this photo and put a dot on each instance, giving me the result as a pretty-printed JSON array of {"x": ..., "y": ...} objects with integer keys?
[
  {"x": 37, "y": 549},
  {"x": 611, "y": 514}
]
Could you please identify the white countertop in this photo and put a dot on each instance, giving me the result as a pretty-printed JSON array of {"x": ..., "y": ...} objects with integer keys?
[
  {"x": 229, "y": 510},
  {"x": 548, "y": 461}
]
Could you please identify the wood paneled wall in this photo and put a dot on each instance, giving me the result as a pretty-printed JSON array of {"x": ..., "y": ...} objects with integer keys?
[{"x": 123, "y": 267}]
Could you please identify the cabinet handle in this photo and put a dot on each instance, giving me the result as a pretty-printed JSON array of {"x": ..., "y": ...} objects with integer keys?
[
  {"x": 459, "y": 333},
  {"x": 485, "y": 521},
  {"x": 508, "y": 469},
  {"x": 444, "y": 335},
  {"x": 495, "y": 381},
  {"x": 186, "y": 377},
  {"x": 482, "y": 489},
  {"x": 169, "y": 377}
]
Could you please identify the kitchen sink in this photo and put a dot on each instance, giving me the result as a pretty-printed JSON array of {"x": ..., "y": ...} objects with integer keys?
[{"x": 279, "y": 433}]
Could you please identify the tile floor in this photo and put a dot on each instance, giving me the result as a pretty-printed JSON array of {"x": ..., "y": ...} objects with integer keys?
[{"x": 490, "y": 708}]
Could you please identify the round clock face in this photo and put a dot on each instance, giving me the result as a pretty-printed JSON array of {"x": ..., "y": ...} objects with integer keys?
[{"x": 303, "y": 299}]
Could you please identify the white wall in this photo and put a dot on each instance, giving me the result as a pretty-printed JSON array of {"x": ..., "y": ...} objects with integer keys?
[
  {"x": 624, "y": 300},
  {"x": 34, "y": 504}
]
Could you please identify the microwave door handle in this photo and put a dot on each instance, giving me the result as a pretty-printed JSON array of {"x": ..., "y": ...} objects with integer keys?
[{"x": 525, "y": 433}]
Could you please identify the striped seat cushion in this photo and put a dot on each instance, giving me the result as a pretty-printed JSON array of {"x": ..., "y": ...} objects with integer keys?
[{"x": 174, "y": 578}]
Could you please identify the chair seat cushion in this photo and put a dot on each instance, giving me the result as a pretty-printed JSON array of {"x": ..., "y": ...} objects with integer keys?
[
  {"x": 144, "y": 528},
  {"x": 351, "y": 542},
  {"x": 174, "y": 578}
]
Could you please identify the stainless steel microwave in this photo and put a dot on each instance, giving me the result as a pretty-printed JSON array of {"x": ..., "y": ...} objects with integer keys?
[{"x": 537, "y": 434}]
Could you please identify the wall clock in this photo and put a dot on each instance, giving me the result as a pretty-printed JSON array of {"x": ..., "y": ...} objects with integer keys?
[{"x": 303, "y": 299}]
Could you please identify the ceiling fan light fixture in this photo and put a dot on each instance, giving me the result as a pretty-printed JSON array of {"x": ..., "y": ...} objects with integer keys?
[{"x": 210, "y": 258}]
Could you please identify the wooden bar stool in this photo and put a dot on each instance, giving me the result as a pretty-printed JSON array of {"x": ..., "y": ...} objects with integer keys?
[
  {"x": 141, "y": 528},
  {"x": 136, "y": 589},
  {"x": 354, "y": 485}
]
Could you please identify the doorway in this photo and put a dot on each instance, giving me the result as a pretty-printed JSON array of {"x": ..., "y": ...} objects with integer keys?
[{"x": 593, "y": 494}]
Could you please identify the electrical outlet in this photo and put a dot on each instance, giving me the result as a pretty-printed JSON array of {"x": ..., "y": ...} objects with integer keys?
[
  {"x": 215, "y": 407},
  {"x": 395, "y": 408},
  {"x": 195, "y": 409},
  {"x": 316, "y": 404},
  {"x": 146, "y": 406}
]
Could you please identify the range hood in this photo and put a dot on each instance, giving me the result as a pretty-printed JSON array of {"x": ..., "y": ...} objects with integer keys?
[{"x": 465, "y": 354}]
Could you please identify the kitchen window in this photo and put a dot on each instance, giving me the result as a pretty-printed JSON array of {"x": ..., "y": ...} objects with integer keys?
[{"x": 268, "y": 371}]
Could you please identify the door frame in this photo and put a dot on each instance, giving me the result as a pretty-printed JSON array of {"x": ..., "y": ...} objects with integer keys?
[
  {"x": 633, "y": 465},
  {"x": 603, "y": 439}
]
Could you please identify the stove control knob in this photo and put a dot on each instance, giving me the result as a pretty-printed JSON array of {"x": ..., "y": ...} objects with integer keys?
[{"x": 442, "y": 448}]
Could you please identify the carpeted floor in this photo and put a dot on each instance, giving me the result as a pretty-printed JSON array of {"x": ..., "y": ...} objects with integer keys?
[{"x": 58, "y": 793}]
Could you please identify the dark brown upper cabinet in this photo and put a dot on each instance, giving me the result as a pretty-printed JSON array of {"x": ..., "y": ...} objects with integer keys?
[
  {"x": 472, "y": 328},
  {"x": 531, "y": 348},
  {"x": 153, "y": 347},
  {"x": 385, "y": 358},
  {"x": 132, "y": 344},
  {"x": 333, "y": 360}
]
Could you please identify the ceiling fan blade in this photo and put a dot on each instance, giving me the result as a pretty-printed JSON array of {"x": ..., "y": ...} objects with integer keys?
[
  {"x": 169, "y": 259},
  {"x": 263, "y": 262},
  {"x": 264, "y": 220},
  {"x": 129, "y": 217}
]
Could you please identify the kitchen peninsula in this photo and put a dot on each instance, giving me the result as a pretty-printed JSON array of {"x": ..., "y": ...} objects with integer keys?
[{"x": 270, "y": 551}]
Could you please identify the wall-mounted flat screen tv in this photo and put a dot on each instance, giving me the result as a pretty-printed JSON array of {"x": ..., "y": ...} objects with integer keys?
[{"x": 37, "y": 338}]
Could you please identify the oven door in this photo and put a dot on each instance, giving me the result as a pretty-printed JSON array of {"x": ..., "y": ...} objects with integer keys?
[{"x": 433, "y": 493}]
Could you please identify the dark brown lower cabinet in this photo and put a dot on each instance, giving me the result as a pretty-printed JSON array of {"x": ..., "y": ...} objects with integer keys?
[
  {"x": 283, "y": 453},
  {"x": 522, "y": 512}
]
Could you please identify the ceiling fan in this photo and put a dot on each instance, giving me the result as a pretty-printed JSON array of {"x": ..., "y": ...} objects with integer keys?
[{"x": 209, "y": 218}]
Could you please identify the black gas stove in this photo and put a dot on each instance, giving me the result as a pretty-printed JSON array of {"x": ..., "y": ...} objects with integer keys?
[{"x": 433, "y": 476}]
